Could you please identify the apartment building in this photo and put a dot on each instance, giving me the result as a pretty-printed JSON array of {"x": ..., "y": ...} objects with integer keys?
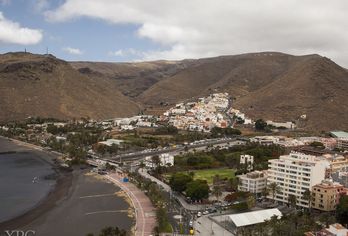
[
  {"x": 294, "y": 174},
  {"x": 253, "y": 182},
  {"x": 337, "y": 163},
  {"x": 326, "y": 195}
]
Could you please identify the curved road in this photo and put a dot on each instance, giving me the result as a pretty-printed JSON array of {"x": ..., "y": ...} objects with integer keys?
[{"x": 145, "y": 212}]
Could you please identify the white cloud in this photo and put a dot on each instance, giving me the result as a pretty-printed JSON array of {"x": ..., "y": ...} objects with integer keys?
[
  {"x": 73, "y": 51},
  {"x": 196, "y": 28},
  {"x": 118, "y": 53},
  {"x": 126, "y": 52},
  {"x": 12, "y": 32}
]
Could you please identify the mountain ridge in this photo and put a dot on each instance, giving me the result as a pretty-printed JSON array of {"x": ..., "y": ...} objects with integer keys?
[
  {"x": 267, "y": 85},
  {"x": 36, "y": 85}
]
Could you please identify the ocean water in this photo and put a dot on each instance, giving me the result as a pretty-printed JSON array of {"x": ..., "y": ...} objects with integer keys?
[
  {"x": 23, "y": 182},
  {"x": 90, "y": 205}
]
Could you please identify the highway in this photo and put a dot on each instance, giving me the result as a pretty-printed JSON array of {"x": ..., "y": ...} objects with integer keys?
[{"x": 134, "y": 156}]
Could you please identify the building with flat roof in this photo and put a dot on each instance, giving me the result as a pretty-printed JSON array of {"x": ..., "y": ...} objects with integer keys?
[
  {"x": 252, "y": 218},
  {"x": 326, "y": 195},
  {"x": 341, "y": 177},
  {"x": 337, "y": 163},
  {"x": 294, "y": 174},
  {"x": 333, "y": 230},
  {"x": 339, "y": 134},
  {"x": 254, "y": 182},
  {"x": 111, "y": 142}
]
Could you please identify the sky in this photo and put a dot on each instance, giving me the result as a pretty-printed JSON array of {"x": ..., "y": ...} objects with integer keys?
[{"x": 136, "y": 30}]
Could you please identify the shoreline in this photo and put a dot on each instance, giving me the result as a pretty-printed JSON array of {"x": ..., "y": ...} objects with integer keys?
[
  {"x": 58, "y": 192},
  {"x": 60, "y": 195},
  {"x": 62, "y": 185}
]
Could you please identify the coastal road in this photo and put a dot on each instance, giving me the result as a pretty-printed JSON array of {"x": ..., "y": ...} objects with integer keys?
[
  {"x": 144, "y": 211},
  {"x": 184, "y": 204}
]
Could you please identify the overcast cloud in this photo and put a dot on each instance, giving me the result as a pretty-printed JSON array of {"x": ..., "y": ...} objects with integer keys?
[
  {"x": 202, "y": 28},
  {"x": 13, "y": 33}
]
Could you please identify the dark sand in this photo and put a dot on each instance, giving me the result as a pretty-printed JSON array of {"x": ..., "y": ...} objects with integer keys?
[
  {"x": 78, "y": 204},
  {"x": 90, "y": 205}
]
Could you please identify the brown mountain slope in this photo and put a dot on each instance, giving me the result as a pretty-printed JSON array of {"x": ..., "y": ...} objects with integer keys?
[
  {"x": 132, "y": 78},
  {"x": 317, "y": 87},
  {"x": 238, "y": 75},
  {"x": 265, "y": 85},
  {"x": 35, "y": 85},
  {"x": 276, "y": 86}
]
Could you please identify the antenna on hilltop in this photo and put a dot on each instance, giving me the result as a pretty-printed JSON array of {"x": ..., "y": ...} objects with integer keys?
[
  {"x": 46, "y": 50},
  {"x": 25, "y": 50}
]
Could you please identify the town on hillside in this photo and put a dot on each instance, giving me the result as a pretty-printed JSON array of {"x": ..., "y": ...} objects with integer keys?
[{"x": 206, "y": 168}]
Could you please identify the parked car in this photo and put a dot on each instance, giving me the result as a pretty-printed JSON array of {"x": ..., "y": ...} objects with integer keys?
[
  {"x": 212, "y": 210},
  {"x": 199, "y": 214}
]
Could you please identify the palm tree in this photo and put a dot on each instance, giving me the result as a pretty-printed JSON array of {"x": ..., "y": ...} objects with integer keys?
[
  {"x": 217, "y": 192},
  {"x": 142, "y": 165},
  {"x": 274, "y": 189},
  {"x": 265, "y": 192},
  {"x": 292, "y": 200},
  {"x": 233, "y": 183},
  {"x": 251, "y": 201},
  {"x": 156, "y": 161},
  {"x": 307, "y": 195},
  {"x": 216, "y": 180},
  {"x": 191, "y": 174}
]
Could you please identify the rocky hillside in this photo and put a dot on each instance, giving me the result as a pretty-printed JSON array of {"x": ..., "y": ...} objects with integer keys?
[
  {"x": 35, "y": 85},
  {"x": 132, "y": 79},
  {"x": 267, "y": 85}
]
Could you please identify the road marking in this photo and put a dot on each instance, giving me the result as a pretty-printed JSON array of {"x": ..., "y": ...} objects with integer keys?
[
  {"x": 98, "y": 195},
  {"x": 100, "y": 212}
]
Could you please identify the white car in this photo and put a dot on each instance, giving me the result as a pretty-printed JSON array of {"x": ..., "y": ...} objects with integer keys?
[
  {"x": 199, "y": 214},
  {"x": 191, "y": 223}
]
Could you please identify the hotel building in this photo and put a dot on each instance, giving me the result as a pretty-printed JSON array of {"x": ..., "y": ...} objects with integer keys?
[{"x": 294, "y": 174}]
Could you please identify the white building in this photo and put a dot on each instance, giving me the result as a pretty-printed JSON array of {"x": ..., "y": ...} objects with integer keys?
[
  {"x": 265, "y": 140},
  {"x": 127, "y": 127},
  {"x": 246, "y": 219},
  {"x": 166, "y": 159},
  {"x": 144, "y": 123},
  {"x": 337, "y": 230},
  {"x": 294, "y": 174},
  {"x": 254, "y": 182},
  {"x": 110, "y": 142},
  {"x": 288, "y": 125},
  {"x": 247, "y": 159}
]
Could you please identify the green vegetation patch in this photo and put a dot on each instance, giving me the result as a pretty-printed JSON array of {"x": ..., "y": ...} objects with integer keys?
[{"x": 208, "y": 175}]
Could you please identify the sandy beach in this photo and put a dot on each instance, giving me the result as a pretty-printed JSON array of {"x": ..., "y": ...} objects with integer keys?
[{"x": 78, "y": 204}]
